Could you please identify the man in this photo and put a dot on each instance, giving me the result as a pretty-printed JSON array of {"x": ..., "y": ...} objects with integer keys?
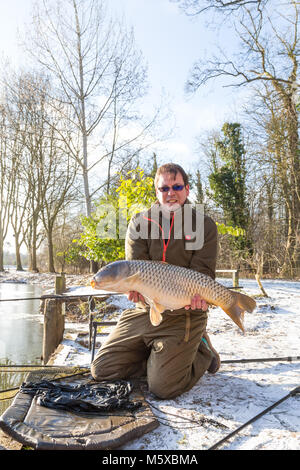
[{"x": 175, "y": 354}]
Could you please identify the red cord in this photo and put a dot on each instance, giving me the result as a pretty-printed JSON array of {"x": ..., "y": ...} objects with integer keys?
[{"x": 163, "y": 235}]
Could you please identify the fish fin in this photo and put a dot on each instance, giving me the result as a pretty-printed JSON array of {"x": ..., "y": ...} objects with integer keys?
[
  {"x": 134, "y": 278},
  {"x": 155, "y": 313},
  {"x": 155, "y": 317},
  {"x": 236, "y": 314},
  {"x": 246, "y": 302},
  {"x": 241, "y": 304}
]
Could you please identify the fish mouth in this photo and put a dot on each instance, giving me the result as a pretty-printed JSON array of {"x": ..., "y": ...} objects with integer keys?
[
  {"x": 103, "y": 285},
  {"x": 93, "y": 284},
  {"x": 97, "y": 284}
]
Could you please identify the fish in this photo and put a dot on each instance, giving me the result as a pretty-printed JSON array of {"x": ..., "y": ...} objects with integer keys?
[{"x": 165, "y": 286}]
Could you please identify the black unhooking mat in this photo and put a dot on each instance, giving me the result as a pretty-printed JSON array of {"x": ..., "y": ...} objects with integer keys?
[{"x": 76, "y": 412}]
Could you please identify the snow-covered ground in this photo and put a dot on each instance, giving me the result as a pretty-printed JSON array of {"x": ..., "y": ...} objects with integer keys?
[{"x": 220, "y": 403}]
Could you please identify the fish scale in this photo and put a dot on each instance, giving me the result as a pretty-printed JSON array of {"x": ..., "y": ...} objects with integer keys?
[
  {"x": 168, "y": 287},
  {"x": 182, "y": 281}
]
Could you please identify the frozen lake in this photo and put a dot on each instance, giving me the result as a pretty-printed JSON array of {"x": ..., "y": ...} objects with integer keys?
[{"x": 21, "y": 331}]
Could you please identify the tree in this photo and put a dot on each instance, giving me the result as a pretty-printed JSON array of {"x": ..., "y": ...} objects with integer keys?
[
  {"x": 269, "y": 54},
  {"x": 228, "y": 180},
  {"x": 196, "y": 7},
  {"x": 199, "y": 188},
  {"x": 67, "y": 227},
  {"x": 58, "y": 174},
  {"x": 273, "y": 176},
  {"x": 154, "y": 166},
  {"x": 26, "y": 110},
  {"x": 100, "y": 74},
  {"x": 20, "y": 195},
  {"x": 103, "y": 237},
  {"x": 6, "y": 182},
  {"x": 45, "y": 174}
]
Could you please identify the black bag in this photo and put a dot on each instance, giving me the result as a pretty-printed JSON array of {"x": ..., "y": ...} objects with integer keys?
[{"x": 92, "y": 398}]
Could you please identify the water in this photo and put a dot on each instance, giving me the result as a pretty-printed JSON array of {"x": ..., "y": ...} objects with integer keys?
[{"x": 21, "y": 332}]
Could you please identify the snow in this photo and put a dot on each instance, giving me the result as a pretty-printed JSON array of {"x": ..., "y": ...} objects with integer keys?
[{"x": 220, "y": 403}]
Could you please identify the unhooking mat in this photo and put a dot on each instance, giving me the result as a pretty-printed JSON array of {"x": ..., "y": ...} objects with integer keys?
[{"x": 74, "y": 412}]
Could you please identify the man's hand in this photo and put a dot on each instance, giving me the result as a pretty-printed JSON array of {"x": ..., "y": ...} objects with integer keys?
[
  {"x": 197, "y": 303},
  {"x": 134, "y": 296}
]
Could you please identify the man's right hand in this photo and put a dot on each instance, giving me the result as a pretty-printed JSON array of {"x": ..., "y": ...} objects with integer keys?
[{"x": 134, "y": 296}]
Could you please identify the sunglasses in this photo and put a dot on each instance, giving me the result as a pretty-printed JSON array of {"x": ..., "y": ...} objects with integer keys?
[{"x": 175, "y": 187}]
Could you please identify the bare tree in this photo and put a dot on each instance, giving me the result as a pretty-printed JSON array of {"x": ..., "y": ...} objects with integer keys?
[
  {"x": 45, "y": 173},
  {"x": 94, "y": 64},
  {"x": 6, "y": 182},
  {"x": 26, "y": 121},
  {"x": 58, "y": 173},
  {"x": 196, "y": 7},
  {"x": 275, "y": 169},
  {"x": 269, "y": 54},
  {"x": 20, "y": 195}
]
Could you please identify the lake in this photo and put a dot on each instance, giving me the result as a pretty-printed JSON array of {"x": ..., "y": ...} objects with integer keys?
[{"x": 21, "y": 332}]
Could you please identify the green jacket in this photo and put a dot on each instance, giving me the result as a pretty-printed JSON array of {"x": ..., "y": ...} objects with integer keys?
[{"x": 166, "y": 246}]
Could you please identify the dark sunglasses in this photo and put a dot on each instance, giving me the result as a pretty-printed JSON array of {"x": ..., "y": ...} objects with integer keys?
[{"x": 175, "y": 187}]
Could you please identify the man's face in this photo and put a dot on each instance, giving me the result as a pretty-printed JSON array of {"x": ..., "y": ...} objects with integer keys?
[{"x": 171, "y": 199}]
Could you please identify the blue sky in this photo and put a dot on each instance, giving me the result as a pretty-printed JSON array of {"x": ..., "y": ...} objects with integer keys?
[{"x": 170, "y": 42}]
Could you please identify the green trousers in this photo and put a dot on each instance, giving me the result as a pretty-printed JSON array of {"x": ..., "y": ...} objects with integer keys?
[{"x": 172, "y": 354}]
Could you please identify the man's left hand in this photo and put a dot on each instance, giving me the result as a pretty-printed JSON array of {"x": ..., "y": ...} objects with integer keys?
[{"x": 197, "y": 303}]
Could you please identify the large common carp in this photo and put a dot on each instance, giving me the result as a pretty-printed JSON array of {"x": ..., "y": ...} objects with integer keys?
[{"x": 168, "y": 287}]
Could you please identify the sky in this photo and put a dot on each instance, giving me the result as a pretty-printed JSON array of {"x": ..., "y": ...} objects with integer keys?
[{"x": 170, "y": 42}]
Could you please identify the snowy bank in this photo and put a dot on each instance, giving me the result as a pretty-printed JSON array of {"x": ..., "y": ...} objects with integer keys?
[{"x": 220, "y": 403}]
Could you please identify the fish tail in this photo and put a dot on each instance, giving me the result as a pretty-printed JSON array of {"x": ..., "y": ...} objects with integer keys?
[{"x": 241, "y": 304}]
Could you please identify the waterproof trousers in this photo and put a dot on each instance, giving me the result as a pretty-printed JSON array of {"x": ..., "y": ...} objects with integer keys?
[{"x": 172, "y": 354}]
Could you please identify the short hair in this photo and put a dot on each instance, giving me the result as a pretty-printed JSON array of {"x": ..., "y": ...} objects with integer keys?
[{"x": 172, "y": 168}]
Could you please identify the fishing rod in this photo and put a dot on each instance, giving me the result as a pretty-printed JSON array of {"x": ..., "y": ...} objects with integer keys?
[
  {"x": 37, "y": 366},
  {"x": 43, "y": 297},
  {"x": 8, "y": 390},
  {"x": 261, "y": 359},
  {"x": 227, "y": 361},
  {"x": 292, "y": 393},
  {"x": 60, "y": 296}
]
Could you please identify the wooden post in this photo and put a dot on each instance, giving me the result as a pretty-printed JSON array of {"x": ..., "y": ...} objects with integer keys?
[
  {"x": 235, "y": 278},
  {"x": 235, "y": 275},
  {"x": 60, "y": 284},
  {"x": 54, "y": 325}
]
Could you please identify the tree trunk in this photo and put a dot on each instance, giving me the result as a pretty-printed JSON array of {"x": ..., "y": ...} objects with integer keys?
[
  {"x": 33, "y": 256},
  {"x": 51, "y": 267},
  {"x": 292, "y": 247},
  {"x": 18, "y": 254},
  {"x": 1, "y": 253},
  {"x": 287, "y": 268},
  {"x": 86, "y": 178},
  {"x": 257, "y": 277}
]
